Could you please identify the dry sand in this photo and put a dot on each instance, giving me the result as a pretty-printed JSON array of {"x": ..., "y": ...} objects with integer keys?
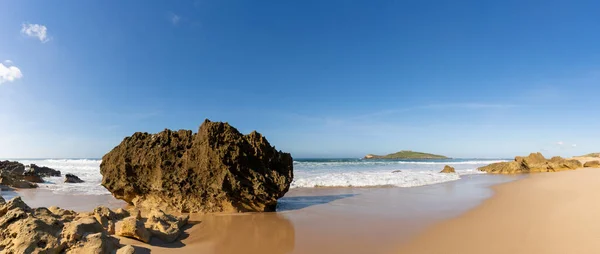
[{"x": 543, "y": 213}]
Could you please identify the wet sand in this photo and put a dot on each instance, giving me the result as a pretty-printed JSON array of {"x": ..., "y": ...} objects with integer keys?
[
  {"x": 544, "y": 213},
  {"x": 311, "y": 220},
  {"x": 333, "y": 220}
]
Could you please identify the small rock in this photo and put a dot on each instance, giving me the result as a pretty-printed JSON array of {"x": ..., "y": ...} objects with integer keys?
[
  {"x": 97, "y": 243},
  {"x": 165, "y": 226},
  {"x": 448, "y": 169},
  {"x": 592, "y": 164},
  {"x": 70, "y": 178},
  {"x": 121, "y": 213},
  {"x": 63, "y": 213},
  {"x": 127, "y": 249},
  {"x": 132, "y": 228},
  {"x": 397, "y": 171}
]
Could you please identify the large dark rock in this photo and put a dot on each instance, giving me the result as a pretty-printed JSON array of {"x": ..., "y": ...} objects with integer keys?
[
  {"x": 217, "y": 169},
  {"x": 533, "y": 163},
  {"x": 44, "y": 171},
  {"x": 12, "y": 167},
  {"x": 70, "y": 178}
]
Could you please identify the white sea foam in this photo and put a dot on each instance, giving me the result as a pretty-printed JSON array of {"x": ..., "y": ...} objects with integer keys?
[
  {"x": 87, "y": 170},
  {"x": 307, "y": 174}
]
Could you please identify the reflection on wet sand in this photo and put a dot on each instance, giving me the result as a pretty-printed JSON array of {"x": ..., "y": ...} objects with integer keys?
[{"x": 243, "y": 233}]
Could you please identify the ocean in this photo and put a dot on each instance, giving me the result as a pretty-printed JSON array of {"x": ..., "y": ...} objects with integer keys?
[{"x": 308, "y": 173}]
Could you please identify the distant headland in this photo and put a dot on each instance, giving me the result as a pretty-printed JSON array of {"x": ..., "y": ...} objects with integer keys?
[{"x": 406, "y": 154}]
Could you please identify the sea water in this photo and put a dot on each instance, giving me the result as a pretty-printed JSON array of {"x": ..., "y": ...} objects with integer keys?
[{"x": 308, "y": 173}]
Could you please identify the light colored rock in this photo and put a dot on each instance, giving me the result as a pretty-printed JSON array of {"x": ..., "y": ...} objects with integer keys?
[
  {"x": 132, "y": 228},
  {"x": 77, "y": 230},
  {"x": 165, "y": 226},
  {"x": 127, "y": 249},
  {"x": 30, "y": 235},
  {"x": 106, "y": 218},
  {"x": 63, "y": 213},
  {"x": 448, "y": 169},
  {"x": 97, "y": 243},
  {"x": 533, "y": 163},
  {"x": 592, "y": 164}
]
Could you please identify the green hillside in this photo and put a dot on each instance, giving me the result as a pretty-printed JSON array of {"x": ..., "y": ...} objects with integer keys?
[{"x": 406, "y": 155}]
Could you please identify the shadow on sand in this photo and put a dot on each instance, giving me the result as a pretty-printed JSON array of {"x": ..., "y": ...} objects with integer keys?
[{"x": 301, "y": 202}]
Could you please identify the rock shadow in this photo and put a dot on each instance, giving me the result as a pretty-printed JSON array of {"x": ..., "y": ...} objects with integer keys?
[{"x": 301, "y": 202}]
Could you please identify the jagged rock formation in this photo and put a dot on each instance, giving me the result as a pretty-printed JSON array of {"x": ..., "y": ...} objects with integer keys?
[
  {"x": 592, "y": 164},
  {"x": 54, "y": 230},
  {"x": 448, "y": 169},
  {"x": 535, "y": 162},
  {"x": 217, "y": 169},
  {"x": 43, "y": 171}
]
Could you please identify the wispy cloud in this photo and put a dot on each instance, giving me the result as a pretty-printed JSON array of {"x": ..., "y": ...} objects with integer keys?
[
  {"x": 35, "y": 30},
  {"x": 174, "y": 18},
  {"x": 8, "y": 72},
  {"x": 560, "y": 143}
]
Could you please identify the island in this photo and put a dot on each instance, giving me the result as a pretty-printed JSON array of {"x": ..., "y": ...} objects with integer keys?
[{"x": 406, "y": 154}]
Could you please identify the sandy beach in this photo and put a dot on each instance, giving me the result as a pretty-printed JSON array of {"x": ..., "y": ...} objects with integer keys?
[{"x": 544, "y": 213}]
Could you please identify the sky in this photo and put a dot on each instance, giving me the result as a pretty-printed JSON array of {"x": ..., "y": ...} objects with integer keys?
[{"x": 335, "y": 78}]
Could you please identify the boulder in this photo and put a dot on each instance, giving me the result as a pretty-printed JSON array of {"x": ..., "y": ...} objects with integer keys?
[
  {"x": 131, "y": 227},
  {"x": 16, "y": 181},
  {"x": 33, "y": 177},
  {"x": 164, "y": 226},
  {"x": 70, "y": 178},
  {"x": 12, "y": 167},
  {"x": 97, "y": 243},
  {"x": 127, "y": 249},
  {"x": 592, "y": 164},
  {"x": 77, "y": 230},
  {"x": 533, "y": 163},
  {"x": 67, "y": 215},
  {"x": 106, "y": 218},
  {"x": 217, "y": 169},
  {"x": 448, "y": 169},
  {"x": 21, "y": 231},
  {"x": 43, "y": 171}
]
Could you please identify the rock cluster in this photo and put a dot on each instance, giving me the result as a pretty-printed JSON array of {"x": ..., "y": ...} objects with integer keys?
[
  {"x": 17, "y": 175},
  {"x": 448, "y": 169},
  {"x": 592, "y": 164},
  {"x": 533, "y": 163},
  {"x": 55, "y": 230},
  {"x": 216, "y": 169}
]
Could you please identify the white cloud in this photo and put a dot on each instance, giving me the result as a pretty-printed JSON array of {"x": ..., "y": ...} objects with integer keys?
[
  {"x": 35, "y": 30},
  {"x": 8, "y": 72},
  {"x": 175, "y": 18},
  {"x": 574, "y": 145},
  {"x": 560, "y": 143}
]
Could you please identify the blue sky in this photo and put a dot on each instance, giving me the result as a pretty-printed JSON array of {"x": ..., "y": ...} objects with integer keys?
[{"x": 319, "y": 78}]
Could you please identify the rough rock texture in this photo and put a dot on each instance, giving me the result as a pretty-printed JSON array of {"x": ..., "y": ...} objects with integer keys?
[
  {"x": 218, "y": 169},
  {"x": 12, "y": 167},
  {"x": 592, "y": 164},
  {"x": 164, "y": 226},
  {"x": 43, "y": 171},
  {"x": 131, "y": 227},
  {"x": 535, "y": 162},
  {"x": 127, "y": 249},
  {"x": 15, "y": 181},
  {"x": 70, "y": 178},
  {"x": 448, "y": 169},
  {"x": 52, "y": 230},
  {"x": 32, "y": 177}
]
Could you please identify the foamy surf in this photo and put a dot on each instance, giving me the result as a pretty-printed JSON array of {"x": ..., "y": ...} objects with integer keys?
[
  {"x": 307, "y": 173},
  {"x": 86, "y": 169}
]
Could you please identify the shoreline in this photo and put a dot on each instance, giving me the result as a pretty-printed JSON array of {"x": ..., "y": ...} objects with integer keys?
[{"x": 543, "y": 213}]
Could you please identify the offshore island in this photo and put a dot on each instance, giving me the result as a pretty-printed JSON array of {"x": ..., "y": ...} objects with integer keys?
[{"x": 407, "y": 154}]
